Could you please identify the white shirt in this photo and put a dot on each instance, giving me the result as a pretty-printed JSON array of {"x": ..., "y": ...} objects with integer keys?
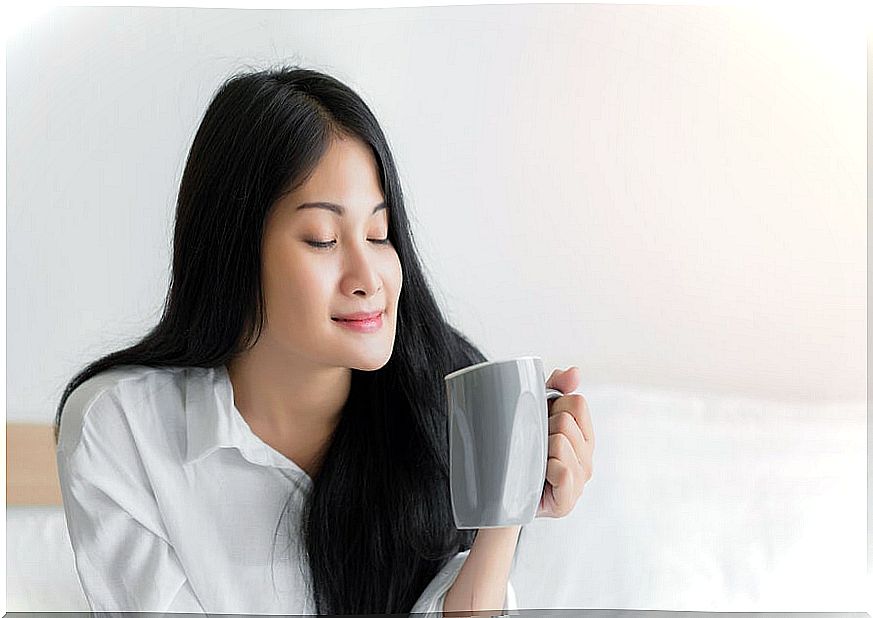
[{"x": 172, "y": 501}]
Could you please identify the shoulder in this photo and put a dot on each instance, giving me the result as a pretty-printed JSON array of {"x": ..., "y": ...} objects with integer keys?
[{"x": 106, "y": 404}]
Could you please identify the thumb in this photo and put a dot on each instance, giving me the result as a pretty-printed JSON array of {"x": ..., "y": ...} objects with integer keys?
[{"x": 565, "y": 381}]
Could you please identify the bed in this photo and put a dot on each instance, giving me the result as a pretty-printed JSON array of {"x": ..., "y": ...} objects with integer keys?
[{"x": 698, "y": 502}]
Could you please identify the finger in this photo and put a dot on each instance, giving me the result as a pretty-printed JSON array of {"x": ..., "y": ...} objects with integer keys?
[
  {"x": 577, "y": 406},
  {"x": 561, "y": 449},
  {"x": 565, "y": 423},
  {"x": 560, "y": 477},
  {"x": 565, "y": 381},
  {"x": 581, "y": 462}
]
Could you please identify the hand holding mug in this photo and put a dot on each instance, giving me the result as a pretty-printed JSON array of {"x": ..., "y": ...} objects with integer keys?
[
  {"x": 571, "y": 446},
  {"x": 519, "y": 448}
]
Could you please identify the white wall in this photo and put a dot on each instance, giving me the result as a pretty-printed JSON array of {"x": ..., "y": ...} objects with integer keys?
[{"x": 662, "y": 195}]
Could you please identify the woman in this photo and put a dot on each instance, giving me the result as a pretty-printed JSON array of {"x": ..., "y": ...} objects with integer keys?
[{"x": 260, "y": 405}]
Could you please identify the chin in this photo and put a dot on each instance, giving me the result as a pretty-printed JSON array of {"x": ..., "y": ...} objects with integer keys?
[
  {"x": 372, "y": 363},
  {"x": 371, "y": 366}
]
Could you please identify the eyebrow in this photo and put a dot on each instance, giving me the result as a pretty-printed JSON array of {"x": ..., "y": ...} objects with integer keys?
[{"x": 337, "y": 208}]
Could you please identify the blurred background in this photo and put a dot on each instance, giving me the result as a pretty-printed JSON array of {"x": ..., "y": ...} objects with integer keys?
[
  {"x": 671, "y": 198},
  {"x": 667, "y": 195}
]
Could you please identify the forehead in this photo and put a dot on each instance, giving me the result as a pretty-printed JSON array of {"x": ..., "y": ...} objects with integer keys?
[{"x": 346, "y": 174}]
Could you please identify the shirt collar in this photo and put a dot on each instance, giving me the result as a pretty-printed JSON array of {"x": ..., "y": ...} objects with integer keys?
[{"x": 213, "y": 422}]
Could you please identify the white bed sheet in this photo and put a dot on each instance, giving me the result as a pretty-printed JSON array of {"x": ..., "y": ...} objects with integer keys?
[
  {"x": 40, "y": 569},
  {"x": 709, "y": 503}
]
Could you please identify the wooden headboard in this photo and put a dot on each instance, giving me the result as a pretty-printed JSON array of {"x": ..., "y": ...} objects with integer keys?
[{"x": 31, "y": 467}]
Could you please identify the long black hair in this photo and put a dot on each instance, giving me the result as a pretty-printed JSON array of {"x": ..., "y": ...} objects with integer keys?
[{"x": 377, "y": 525}]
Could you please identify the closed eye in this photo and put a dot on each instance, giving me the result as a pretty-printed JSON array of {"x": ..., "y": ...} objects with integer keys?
[{"x": 329, "y": 243}]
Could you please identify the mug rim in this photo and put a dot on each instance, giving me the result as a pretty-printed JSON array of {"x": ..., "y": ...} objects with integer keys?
[{"x": 503, "y": 361}]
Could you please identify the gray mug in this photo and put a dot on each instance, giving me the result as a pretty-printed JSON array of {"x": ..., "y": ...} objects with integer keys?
[{"x": 498, "y": 441}]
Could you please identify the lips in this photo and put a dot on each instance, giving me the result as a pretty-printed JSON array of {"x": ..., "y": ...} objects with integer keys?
[
  {"x": 371, "y": 325},
  {"x": 359, "y": 316}
]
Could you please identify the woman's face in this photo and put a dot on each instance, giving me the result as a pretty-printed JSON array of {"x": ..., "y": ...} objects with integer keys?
[{"x": 306, "y": 285}]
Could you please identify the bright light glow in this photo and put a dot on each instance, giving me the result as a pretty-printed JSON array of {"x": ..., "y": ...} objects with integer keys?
[
  {"x": 16, "y": 17},
  {"x": 836, "y": 32}
]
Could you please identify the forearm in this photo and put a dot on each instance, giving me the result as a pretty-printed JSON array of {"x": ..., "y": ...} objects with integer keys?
[{"x": 481, "y": 582}]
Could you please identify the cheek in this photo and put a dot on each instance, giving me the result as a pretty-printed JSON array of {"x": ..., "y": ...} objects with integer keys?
[
  {"x": 296, "y": 288},
  {"x": 396, "y": 275},
  {"x": 311, "y": 290}
]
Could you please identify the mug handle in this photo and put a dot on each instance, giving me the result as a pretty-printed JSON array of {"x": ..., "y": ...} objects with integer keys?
[{"x": 553, "y": 393}]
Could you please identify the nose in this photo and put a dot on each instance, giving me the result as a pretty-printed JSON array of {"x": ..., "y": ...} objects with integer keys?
[{"x": 361, "y": 271}]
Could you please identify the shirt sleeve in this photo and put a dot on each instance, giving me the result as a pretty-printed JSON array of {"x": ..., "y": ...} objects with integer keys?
[
  {"x": 432, "y": 600},
  {"x": 123, "y": 557}
]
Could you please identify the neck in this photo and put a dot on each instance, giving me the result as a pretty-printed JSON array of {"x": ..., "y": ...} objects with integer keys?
[{"x": 286, "y": 399}]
